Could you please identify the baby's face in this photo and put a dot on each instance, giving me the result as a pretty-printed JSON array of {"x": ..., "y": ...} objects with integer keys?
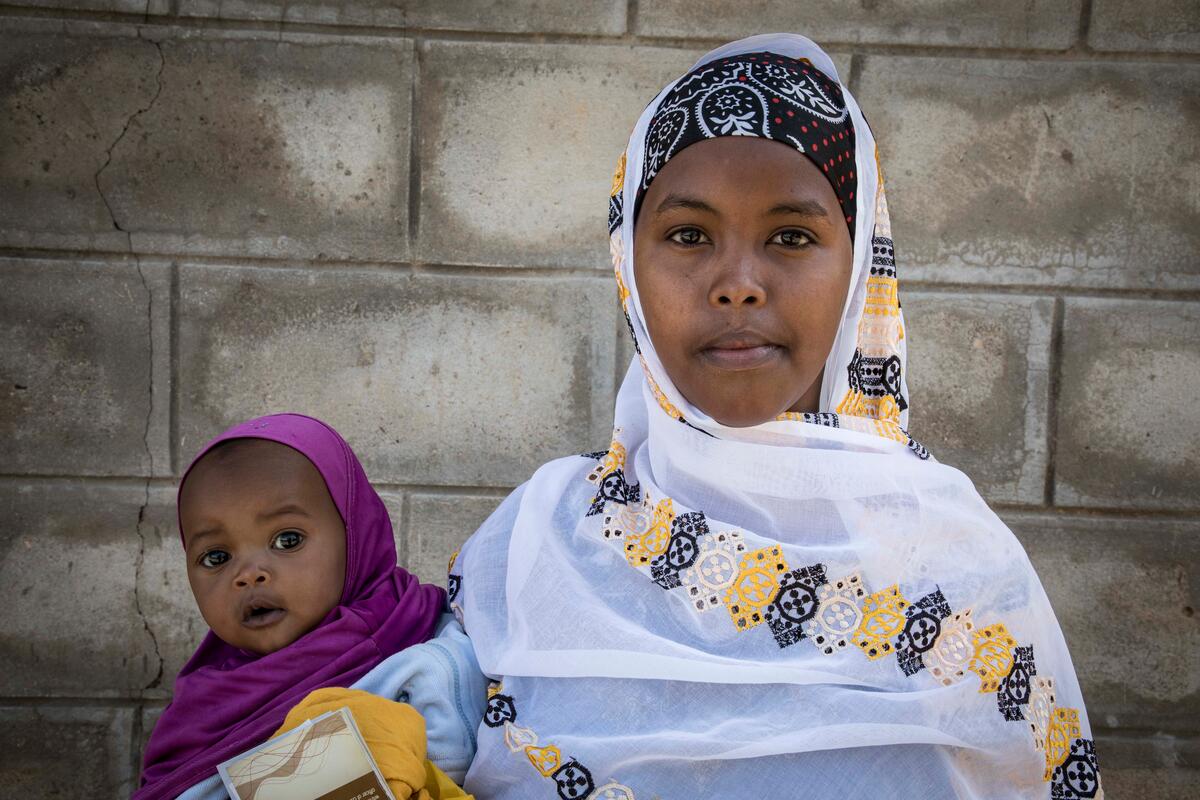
[
  {"x": 742, "y": 260},
  {"x": 266, "y": 547}
]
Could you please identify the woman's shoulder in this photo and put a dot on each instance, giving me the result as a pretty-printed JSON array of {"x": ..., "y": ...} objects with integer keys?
[{"x": 545, "y": 487}]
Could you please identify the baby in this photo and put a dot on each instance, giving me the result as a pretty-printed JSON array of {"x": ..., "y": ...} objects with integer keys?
[{"x": 292, "y": 562}]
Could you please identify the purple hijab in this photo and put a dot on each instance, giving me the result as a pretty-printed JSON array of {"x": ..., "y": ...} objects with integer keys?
[{"x": 227, "y": 700}]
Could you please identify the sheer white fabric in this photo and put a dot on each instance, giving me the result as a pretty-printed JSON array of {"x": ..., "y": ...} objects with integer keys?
[{"x": 781, "y": 611}]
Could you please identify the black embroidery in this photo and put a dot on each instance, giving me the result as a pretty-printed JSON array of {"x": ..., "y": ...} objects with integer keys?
[
  {"x": 1078, "y": 776},
  {"x": 795, "y": 603},
  {"x": 825, "y": 418},
  {"x": 615, "y": 216},
  {"x": 921, "y": 630},
  {"x": 573, "y": 781},
  {"x": 1015, "y": 687},
  {"x": 917, "y": 448},
  {"x": 692, "y": 524},
  {"x": 453, "y": 585},
  {"x": 876, "y": 377},
  {"x": 595, "y": 455},
  {"x": 682, "y": 550},
  {"x": 765, "y": 95},
  {"x": 500, "y": 709},
  {"x": 633, "y": 336},
  {"x": 883, "y": 257},
  {"x": 613, "y": 488}
]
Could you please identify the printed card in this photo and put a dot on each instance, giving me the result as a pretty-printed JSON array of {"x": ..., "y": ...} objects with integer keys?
[{"x": 323, "y": 759}]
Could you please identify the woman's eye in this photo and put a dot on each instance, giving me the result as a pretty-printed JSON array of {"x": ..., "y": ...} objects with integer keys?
[
  {"x": 214, "y": 558},
  {"x": 287, "y": 540},
  {"x": 688, "y": 236},
  {"x": 791, "y": 238}
]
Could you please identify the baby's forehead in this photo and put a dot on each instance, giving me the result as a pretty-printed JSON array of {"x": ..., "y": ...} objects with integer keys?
[{"x": 232, "y": 462}]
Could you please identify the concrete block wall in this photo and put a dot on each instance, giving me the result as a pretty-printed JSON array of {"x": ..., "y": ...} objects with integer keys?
[{"x": 391, "y": 215}]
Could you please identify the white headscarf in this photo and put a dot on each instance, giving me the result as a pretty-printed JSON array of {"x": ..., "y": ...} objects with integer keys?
[{"x": 807, "y": 607}]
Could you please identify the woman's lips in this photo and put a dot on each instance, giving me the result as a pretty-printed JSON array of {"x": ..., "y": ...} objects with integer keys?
[{"x": 737, "y": 356}]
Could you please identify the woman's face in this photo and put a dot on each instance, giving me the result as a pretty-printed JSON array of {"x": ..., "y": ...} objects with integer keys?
[
  {"x": 265, "y": 544},
  {"x": 742, "y": 260}
]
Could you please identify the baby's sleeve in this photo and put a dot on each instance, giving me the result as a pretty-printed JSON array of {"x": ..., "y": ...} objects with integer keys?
[{"x": 440, "y": 678}]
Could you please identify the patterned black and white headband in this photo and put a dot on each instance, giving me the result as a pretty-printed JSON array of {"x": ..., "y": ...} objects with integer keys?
[{"x": 764, "y": 95}]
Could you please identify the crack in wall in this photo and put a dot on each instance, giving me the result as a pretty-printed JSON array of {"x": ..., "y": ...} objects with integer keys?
[{"x": 156, "y": 681}]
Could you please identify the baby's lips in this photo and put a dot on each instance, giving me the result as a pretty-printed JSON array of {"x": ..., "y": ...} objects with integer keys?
[{"x": 258, "y": 602}]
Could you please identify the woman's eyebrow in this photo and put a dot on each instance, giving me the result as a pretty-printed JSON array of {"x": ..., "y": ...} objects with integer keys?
[
  {"x": 805, "y": 208},
  {"x": 673, "y": 201}
]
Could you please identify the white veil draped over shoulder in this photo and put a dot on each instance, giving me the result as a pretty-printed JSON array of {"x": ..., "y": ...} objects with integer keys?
[{"x": 808, "y": 607}]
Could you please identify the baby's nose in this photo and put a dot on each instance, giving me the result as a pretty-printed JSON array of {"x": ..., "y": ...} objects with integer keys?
[{"x": 252, "y": 575}]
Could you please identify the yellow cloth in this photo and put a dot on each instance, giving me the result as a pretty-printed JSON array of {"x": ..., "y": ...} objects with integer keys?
[{"x": 395, "y": 735}]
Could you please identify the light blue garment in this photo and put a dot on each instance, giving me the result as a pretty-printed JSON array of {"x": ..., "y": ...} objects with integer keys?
[{"x": 439, "y": 678}]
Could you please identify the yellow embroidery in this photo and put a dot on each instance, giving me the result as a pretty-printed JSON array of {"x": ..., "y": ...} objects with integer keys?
[
  {"x": 516, "y": 738},
  {"x": 612, "y": 791},
  {"x": 993, "y": 656},
  {"x": 1040, "y": 709},
  {"x": 640, "y": 550},
  {"x": 622, "y": 289},
  {"x": 947, "y": 659},
  {"x": 883, "y": 619},
  {"x": 883, "y": 219},
  {"x": 838, "y": 616},
  {"x": 618, "y": 179},
  {"x": 755, "y": 586},
  {"x": 883, "y": 300},
  {"x": 453, "y": 558},
  {"x": 544, "y": 759},
  {"x": 633, "y": 519},
  {"x": 494, "y": 689},
  {"x": 715, "y": 568},
  {"x": 613, "y": 460},
  {"x": 1064, "y": 727},
  {"x": 858, "y": 419},
  {"x": 663, "y": 403},
  {"x": 881, "y": 410}
]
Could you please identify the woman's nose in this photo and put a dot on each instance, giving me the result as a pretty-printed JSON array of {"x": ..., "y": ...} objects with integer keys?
[{"x": 738, "y": 282}]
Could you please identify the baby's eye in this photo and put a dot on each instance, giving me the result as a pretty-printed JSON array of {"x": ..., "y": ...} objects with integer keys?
[
  {"x": 791, "y": 238},
  {"x": 214, "y": 558},
  {"x": 287, "y": 540},
  {"x": 688, "y": 236}
]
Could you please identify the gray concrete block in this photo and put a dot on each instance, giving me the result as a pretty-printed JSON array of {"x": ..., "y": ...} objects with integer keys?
[
  {"x": 213, "y": 144},
  {"x": 394, "y": 501},
  {"x": 1011, "y": 172},
  {"x": 164, "y": 596},
  {"x": 433, "y": 379},
  {"x": 1125, "y": 592},
  {"x": 964, "y": 348},
  {"x": 1037, "y": 24},
  {"x": 518, "y": 144},
  {"x": 438, "y": 524},
  {"x": 115, "y": 6},
  {"x": 1128, "y": 433},
  {"x": 1159, "y": 767},
  {"x": 150, "y": 716},
  {"x": 84, "y": 365},
  {"x": 70, "y": 559},
  {"x": 605, "y": 17},
  {"x": 1162, "y": 26},
  {"x": 54, "y": 751},
  {"x": 64, "y": 101}
]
